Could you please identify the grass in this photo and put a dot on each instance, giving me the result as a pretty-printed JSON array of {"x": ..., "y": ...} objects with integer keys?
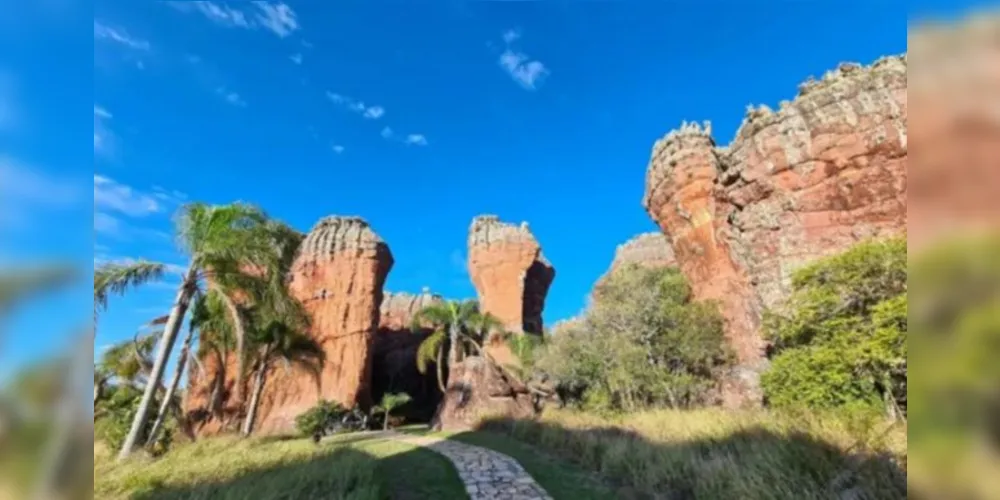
[
  {"x": 719, "y": 454},
  {"x": 357, "y": 467}
]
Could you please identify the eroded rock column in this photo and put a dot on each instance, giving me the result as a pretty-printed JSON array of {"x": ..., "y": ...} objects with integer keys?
[
  {"x": 510, "y": 274},
  {"x": 338, "y": 276},
  {"x": 819, "y": 175}
]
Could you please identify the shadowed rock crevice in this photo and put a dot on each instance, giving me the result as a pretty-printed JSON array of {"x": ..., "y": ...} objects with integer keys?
[{"x": 394, "y": 363}]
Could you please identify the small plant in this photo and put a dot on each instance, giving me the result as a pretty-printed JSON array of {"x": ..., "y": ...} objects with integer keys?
[
  {"x": 318, "y": 420},
  {"x": 391, "y": 402}
]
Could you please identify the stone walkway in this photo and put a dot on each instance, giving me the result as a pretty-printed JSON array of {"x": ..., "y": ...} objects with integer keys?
[{"x": 487, "y": 474}]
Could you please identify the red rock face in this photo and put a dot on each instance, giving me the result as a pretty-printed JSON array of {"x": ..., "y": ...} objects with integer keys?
[
  {"x": 476, "y": 389},
  {"x": 510, "y": 274},
  {"x": 646, "y": 249},
  {"x": 821, "y": 174},
  {"x": 338, "y": 276}
]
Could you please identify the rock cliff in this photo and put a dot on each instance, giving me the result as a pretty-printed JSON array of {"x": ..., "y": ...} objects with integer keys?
[
  {"x": 394, "y": 366},
  {"x": 820, "y": 174},
  {"x": 510, "y": 274},
  {"x": 338, "y": 275}
]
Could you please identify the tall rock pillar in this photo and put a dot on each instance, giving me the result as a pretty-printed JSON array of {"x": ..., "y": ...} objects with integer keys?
[{"x": 510, "y": 274}]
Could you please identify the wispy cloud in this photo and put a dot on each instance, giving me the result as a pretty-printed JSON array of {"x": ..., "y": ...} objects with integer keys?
[
  {"x": 527, "y": 72},
  {"x": 114, "y": 202},
  {"x": 369, "y": 112},
  {"x": 118, "y": 35},
  {"x": 102, "y": 134},
  {"x": 127, "y": 261},
  {"x": 113, "y": 196},
  {"x": 276, "y": 17},
  {"x": 231, "y": 97},
  {"x": 337, "y": 148},
  {"x": 387, "y": 133},
  {"x": 296, "y": 58},
  {"x": 416, "y": 139}
]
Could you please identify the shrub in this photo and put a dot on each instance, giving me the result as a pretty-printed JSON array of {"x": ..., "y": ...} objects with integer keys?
[
  {"x": 840, "y": 339},
  {"x": 318, "y": 419},
  {"x": 642, "y": 342},
  {"x": 114, "y": 414}
]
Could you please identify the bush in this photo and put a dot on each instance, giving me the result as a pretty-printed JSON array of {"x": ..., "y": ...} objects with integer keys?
[
  {"x": 114, "y": 414},
  {"x": 318, "y": 419},
  {"x": 642, "y": 342},
  {"x": 840, "y": 339}
]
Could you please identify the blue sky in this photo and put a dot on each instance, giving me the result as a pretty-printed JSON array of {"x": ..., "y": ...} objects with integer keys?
[{"x": 415, "y": 115}]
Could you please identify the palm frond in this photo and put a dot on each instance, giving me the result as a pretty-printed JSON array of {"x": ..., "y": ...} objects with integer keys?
[
  {"x": 436, "y": 315},
  {"x": 428, "y": 349},
  {"x": 117, "y": 278}
]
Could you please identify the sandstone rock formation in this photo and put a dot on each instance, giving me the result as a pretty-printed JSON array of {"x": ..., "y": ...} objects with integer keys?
[
  {"x": 510, "y": 274},
  {"x": 477, "y": 388},
  {"x": 338, "y": 275},
  {"x": 394, "y": 366},
  {"x": 822, "y": 173},
  {"x": 646, "y": 249}
]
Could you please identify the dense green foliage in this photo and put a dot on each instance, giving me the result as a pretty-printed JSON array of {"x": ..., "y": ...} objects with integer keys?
[
  {"x": 840, "y": 339},
  {"x": 113, "y": 416},
  {"x": 319, "y": 418},
  {"x": 641, "y": 343}
]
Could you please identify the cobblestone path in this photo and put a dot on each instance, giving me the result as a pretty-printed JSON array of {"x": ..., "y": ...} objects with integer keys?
[{"x": 487, "y": 474}]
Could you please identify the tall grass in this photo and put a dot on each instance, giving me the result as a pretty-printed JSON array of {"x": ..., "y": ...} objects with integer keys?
[
  {"x": 720, "y": 454},
  {"x": 231, "y": 468}
]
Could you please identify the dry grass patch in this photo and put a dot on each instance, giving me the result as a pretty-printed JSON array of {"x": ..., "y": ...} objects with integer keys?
[{"x": 719, "y": 454}]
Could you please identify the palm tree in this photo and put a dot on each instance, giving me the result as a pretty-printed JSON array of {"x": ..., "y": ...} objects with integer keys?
[
  {"x": 457, "y": 325},
  {"x": 18, "y": 285},
  {"x": 278, "y": 340},
  {"x": 168, "y": 397},
  {"x": 219, "y": 241},
  {"x": 117, "y": 278},
  {"x": 391, "y": 402}
]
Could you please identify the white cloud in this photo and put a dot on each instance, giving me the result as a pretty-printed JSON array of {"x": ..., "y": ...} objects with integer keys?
[
  {"x": 374, "y": 112},
  {"x": 104, "y": 32},
  {"x": 127, "y": 261},
  {"x": 106, "y": 224},
  {"x": 387, "y": 133},
  {"x": 278, "y": 18},
  {"x": 101, "y": 112},
  {"x": 528, "y": 73},
  {"x": 102, "y": 134},
  {"x": 296, "y": 58},
  {"x": 337, "y": 148},
  {"x": 219, "y": 14},
  {"x": 231, "y": 97},
  {"x": 116, "y": 197},
  {"x": 370, "y": 112},
  {"x": 416, "y": 139}
]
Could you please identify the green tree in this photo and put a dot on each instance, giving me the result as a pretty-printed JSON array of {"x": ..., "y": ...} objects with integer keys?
[
  {"x": 391, "y": 402},
  {"x": 641, "y": 342},
  {"x": 459, "y": 328},
  {"x": 114, "y": 278},
  {"x": 840, "y": 339},
  {"x": 221, "y": 243}
]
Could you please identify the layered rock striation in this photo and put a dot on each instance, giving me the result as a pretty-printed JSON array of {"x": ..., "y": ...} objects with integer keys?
[
  {"x": 338, "y": 276},
  {"x": 509, "y": 272},
  {"x": 820, "y": 174}
]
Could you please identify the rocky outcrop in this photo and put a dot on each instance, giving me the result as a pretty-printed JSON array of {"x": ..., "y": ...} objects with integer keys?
[
  {"x": 647, "y": 249},
  {"x": 510, "y": 274},
  {"x": 338, "y": 275},
  {"x": 478, "y": 389},
  {"x": 820, "y": 174},
  {"x": 394, "y": 363}
]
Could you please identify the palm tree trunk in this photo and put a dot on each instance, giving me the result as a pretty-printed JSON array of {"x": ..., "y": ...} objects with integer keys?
[
  {"x": 440, "y": 370},
  {"x": 166, "y": 344},
  {"x": 385, "y": 421},
  {"x": 257, "y": 390},
  {"x": 171, "y": 389},
  {"x": 453, "y": 348},
  {"x": 240, "y": 333}
]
